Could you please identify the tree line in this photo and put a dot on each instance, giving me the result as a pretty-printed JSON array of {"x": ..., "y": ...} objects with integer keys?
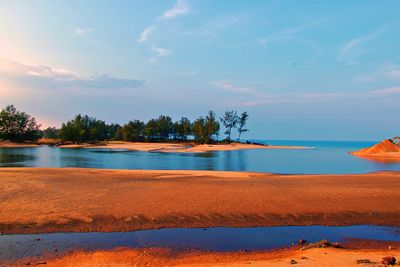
[{"x": 19, "y": 126}]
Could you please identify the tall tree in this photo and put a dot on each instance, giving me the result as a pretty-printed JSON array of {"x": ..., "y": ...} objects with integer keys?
[
  {"x": 132, "y": 131},
  {"x": 50, "y": 133},
  {"x": 112, "y": 130},
  {"x": 242, "y": 124},
  {"x": 230, "y": 120},
  {"x": 151, "y": 130},
  {"x": 211, "y": 127},
  {"x": 17, "y": 126},
  {"x": 183, "y": 128},
  {"x": 198, "y": 130},
  {"x": 83, "y": 129},
  {"x": 165, "y": 127}
]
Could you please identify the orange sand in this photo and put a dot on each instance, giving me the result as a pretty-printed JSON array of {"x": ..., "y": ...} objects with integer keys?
[
  {"x": 315, "y": 257},
  {"x": 58, "y": 200},
  {"x": 382, "y": 151},
  {"x": 179, "y": 147}
]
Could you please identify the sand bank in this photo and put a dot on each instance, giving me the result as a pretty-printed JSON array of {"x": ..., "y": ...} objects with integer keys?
[
  {"x": 384, "y": 151},
  {"x": 179, "y": 147},
  {"x": 162, "y": 257},
  {"x": 61, "y": 200},
  {"x": 16, "y": 145}
]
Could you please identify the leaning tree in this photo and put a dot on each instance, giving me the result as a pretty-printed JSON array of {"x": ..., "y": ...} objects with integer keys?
[
  {"x": 230, "y": 120},
  {"x": 242, "y": 124}
]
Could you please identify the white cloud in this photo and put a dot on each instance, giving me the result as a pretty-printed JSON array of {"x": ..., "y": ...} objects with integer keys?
[
  {"x": 82, "y": 31},
  {"x": 346, "y": 51},
  {"x": 394, "y": 74},
  {"x": 153, "y": 60},
  {"x": 250, "y": 96},
  {"x": 144, "y": 36},
  {"x": 181, "y": 8},
  {"x": 161, "y": 52},
  {"x": 310, "y": 97},
  {"x": 213, "y": 28},
  {"x": 44, "y": 77},
  {"x": 232, "y": 87},
  {"x": 385, "y": 91},
  {"x": 288, "y": 35}
]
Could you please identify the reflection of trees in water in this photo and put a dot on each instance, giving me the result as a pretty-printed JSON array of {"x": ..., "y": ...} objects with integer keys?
[
  {"x": 76, "y": 161},
  {"x": 241, "y": 161},
  {"x": 16, "y": 158},
  {"x": 234, "y": 160}
]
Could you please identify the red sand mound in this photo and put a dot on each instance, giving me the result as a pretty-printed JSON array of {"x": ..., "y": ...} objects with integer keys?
[{"x": 382, "y": 147}]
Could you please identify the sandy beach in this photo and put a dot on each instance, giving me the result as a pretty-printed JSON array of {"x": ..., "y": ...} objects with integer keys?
[
  {"x": 315, "y": 257},
  {"x": 178, "y": 147},
  {"x": 61, "y": 200},
  {"x": 44, "y": 200}
]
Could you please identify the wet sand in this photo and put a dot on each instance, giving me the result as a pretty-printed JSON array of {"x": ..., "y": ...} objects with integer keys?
[
  {"x": 16, "y": 145},
  {"x": 178, "y": 147},
  {"x": 162, "y": 257},
  {"x": 34, "y": 200}
]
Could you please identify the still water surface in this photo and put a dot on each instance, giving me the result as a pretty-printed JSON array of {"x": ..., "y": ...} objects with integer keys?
[
  {"x": 323, "y": 157},
  {"x": 13, "y": 247}
]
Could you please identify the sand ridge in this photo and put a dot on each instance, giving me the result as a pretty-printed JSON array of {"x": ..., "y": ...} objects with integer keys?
[
  {"x": 179, "y": 147},
  {"x": 67, "y": 199}
]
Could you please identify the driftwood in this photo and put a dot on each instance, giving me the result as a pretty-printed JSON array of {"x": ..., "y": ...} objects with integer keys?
[{"x": 363, "y": 261}]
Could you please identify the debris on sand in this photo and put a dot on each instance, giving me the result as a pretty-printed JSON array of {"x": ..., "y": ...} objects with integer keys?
[
  {"x": 319, "y": 244},
  {"x": 302, "y": 242},
  {"x": 389, "y": 260},
  {"x": 363, "y": 261}
]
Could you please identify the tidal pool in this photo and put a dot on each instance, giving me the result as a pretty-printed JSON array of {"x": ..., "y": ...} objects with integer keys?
[{"x": 14, "y": 247}]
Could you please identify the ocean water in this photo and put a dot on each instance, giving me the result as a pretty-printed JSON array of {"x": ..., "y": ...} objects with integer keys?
[{"x": 320, "y": 157}]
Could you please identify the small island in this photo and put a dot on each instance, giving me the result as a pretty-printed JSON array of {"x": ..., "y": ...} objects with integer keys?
[{"x": 19, "y": 129}]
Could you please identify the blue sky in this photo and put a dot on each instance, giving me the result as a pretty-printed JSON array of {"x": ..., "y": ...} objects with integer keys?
[{"x": 327, "y": 70}]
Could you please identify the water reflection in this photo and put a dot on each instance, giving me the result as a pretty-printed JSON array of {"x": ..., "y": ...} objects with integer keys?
[
  {"x": 13, "y": 247},
  {"x": 384, "y": 160},
  {"x": 326, "y": 158},
  {"x": 17, "y": 157}
]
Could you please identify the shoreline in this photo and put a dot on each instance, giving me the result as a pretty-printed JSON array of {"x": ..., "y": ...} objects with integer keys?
[
  {"x": 17, "y": 145},
  {"x": 126, "y": 200},
  {"x": 155, "y": 147},
  {"x": 179, "y": 147},
  {"x": 123, "y": 256}
]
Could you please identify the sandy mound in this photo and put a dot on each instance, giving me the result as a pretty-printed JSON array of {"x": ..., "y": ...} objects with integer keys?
[{"x": 380, "y": 149}]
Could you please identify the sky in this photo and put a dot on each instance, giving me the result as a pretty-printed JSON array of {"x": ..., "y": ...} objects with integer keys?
[{"x": 309, "y": 70}]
